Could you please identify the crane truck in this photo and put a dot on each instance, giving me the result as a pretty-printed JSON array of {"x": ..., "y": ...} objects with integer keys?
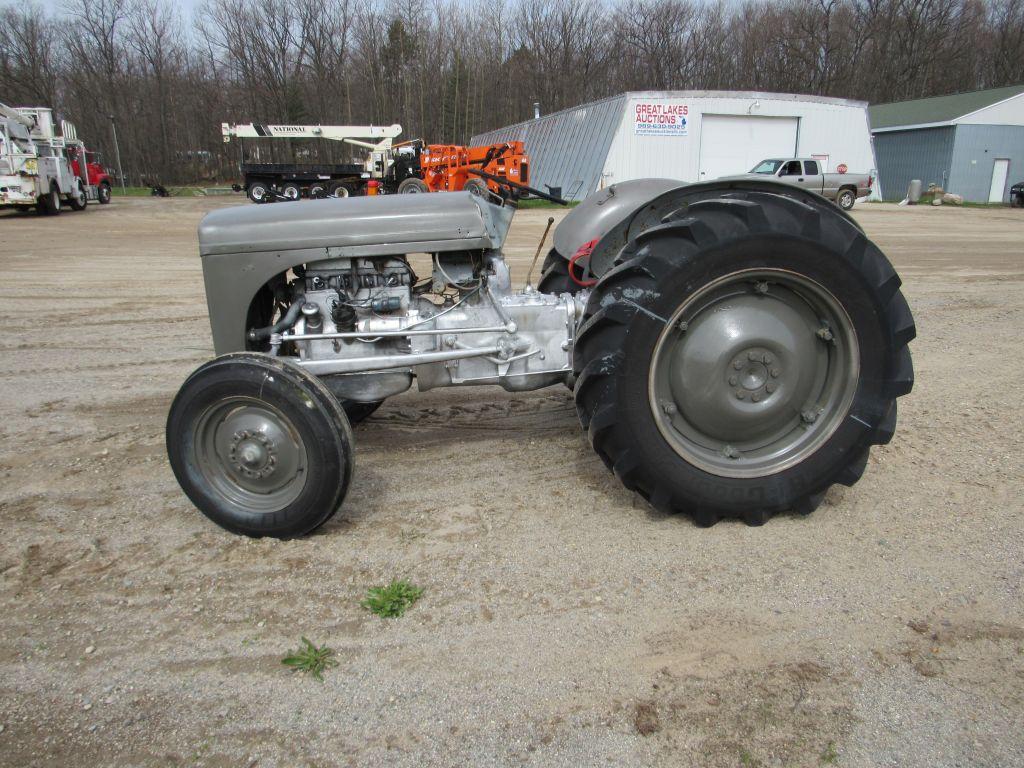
[
  {"x": 405, "y": 168},
  {"x": 37, "y": 162}
]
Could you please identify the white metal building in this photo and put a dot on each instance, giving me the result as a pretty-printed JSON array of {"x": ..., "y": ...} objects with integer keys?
[{"x": 686, "y": 135}]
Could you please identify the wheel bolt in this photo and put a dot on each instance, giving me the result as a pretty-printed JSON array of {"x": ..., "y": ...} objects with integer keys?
[
  {"x": 809, "y": 417},
  {"x": 756, "y": 397},
  {"x": 751, "y": 356},
  {"x": 770, "y": 387},
  {"x": 775, "y": 373},
  {"x": 668, "y": 408},
  {"x": 766, "y": 359},
  {"x": 740, "y": 394},
  {"x": 733, "y": 380},
  {"x": 738, "y": 364}
]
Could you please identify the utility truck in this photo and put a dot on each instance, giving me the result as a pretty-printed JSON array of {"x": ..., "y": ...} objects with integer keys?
[{"x": 37, "y": 168}]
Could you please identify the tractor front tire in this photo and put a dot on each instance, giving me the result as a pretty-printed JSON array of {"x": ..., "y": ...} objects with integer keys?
[
  {"x": 261, "y": 447},
  {"x": 103, "y": 193},
  {"x": 741, "y": 358}
]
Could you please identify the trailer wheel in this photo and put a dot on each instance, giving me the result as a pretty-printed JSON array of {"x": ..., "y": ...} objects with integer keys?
[
  {"x": 78, "y": 200},
  {"x": 341, "y": 189},
  {"x": 261, "y": 447},
  {"x": 846, "y": 198},
  {"x": 50, "y": 203},
  {"x": 413, "y": 186},
  {"x": 258, "y": 192},
  {"x": 291, "y": 191},
  {"x": 317, "y": 191},
  {"x": 103, "y": 193},
  {"x": 743, "y": 357}
]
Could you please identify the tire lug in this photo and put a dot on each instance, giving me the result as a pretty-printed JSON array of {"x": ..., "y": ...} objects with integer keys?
[
  {"x": 752, "y": 356},
  {"x": 766, "y": 359},
  {"x": 733, "y": 381},
  {"x": 668, "y": 407},
  {"x": 825, "y": 334},
  {"x": 809, "y": 417},
  {"x": 761, "y": 286},
  {"x": 683, "y": 326},
  {"x": 770, "y": 387},
  {"x": 740, "y": 394},
  {"x": 756, "y": 397},
  {"x": 730, "y": 453},
  {"x": 738, "y": 364},
  {"x": 775, "y": 373}
]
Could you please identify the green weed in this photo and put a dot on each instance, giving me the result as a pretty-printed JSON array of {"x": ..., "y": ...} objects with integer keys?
[
  {"x": 393, "y": 600},
  {"x": 309, "y": 659}
]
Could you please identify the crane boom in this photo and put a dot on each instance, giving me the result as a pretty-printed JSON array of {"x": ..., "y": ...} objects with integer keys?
[{"x": 331, "y": 132}]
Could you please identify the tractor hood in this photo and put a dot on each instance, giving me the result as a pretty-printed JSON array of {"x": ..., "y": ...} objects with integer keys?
[
  {"x": 244, "y": 247},
  {"x": 358, "y": 226}
]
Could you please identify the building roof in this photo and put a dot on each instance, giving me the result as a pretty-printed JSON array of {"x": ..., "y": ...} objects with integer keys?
[{"x": 937, "y": 110}]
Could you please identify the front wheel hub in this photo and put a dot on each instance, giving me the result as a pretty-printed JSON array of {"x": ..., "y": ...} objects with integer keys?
[{"x": 741, "y": 361}]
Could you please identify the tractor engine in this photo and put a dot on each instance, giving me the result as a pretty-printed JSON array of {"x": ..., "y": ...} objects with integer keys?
[{"x": 366, "y": 326}]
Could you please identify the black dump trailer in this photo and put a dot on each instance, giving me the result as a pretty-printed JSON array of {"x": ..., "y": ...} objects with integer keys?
[{"x": 265, "y": 182}]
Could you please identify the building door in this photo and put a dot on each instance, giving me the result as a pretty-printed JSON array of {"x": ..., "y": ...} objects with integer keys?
[
  {"x": 1000, "y": 170},
  {"x": 732, "y": 144}
]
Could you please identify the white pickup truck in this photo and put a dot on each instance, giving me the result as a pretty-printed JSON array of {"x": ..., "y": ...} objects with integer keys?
[{"x": 841, "y": 188}]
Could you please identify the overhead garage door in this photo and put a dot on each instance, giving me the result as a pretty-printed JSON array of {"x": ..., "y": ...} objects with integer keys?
[{"x": 731, "y": 144}]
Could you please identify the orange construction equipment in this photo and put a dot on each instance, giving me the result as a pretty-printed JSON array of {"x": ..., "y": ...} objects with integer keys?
[{"x": 449, "y": 168}]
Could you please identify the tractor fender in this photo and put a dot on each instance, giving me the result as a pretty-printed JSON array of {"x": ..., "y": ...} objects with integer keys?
[
  {"x": 672, "y": 203},
  {"x": 602, "y": 210}
]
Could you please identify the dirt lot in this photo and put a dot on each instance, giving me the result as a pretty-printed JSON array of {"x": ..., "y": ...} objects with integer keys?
[{"x": 563, "y": 623}]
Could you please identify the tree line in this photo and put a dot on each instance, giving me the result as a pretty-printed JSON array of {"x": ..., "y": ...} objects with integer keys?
[{"x": 446, "y": 69}]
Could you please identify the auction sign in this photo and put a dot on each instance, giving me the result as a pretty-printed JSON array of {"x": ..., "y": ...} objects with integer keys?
[{"x": 660, "y": 118}]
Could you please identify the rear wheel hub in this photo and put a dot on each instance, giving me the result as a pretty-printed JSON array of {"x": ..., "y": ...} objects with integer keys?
[{"x": 743, "y": 362}]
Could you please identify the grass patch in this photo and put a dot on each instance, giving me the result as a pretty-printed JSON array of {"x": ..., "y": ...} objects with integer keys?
[
  {"x": 310, "y": 660},
  {"x": 830, "y": 756},
  {"x": 391, "y": 601},
  {"x": 539, "y": 203}
]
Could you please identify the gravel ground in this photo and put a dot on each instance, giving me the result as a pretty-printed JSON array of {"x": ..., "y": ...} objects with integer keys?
[{"x": 563, "y": 623}]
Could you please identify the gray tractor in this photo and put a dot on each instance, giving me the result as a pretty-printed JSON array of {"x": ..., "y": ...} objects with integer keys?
[{"x": 734, "y": 348}]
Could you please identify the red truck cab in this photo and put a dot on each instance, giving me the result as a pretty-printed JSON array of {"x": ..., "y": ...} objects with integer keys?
[{"x": 98, "y": 176}]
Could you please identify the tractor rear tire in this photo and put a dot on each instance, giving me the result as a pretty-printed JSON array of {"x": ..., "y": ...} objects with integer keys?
[
  {"x": 741, "y": 358},
  {"x": 554, "y": 275},
  {"x": 413, "y": 186},
  {"x": 261, "y": 447}
]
